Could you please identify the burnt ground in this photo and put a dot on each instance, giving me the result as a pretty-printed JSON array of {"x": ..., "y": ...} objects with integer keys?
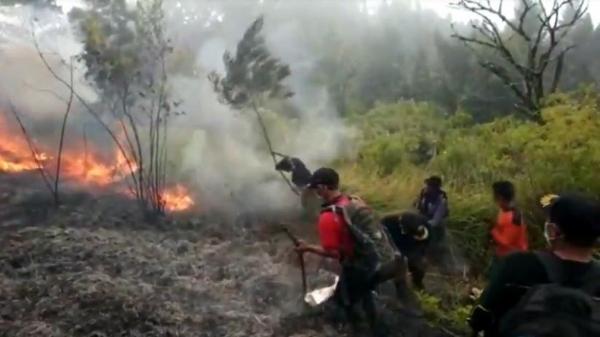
[{"x": 94, "y": 267}]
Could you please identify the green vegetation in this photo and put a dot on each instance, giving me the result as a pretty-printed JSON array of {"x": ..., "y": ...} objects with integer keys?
[
  {"x": 439, "y": 314},
  {"x": 402, "y": 143}
]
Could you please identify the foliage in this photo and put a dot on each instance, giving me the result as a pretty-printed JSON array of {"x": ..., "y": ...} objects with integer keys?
[
  {"x": 253, "y": 78},
  {"x": 454, "y": 318},
  {"x": 538, "y": 158},
  {"x": 253, "y": 73}
]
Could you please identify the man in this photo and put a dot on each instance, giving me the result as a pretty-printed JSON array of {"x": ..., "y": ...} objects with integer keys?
[
  {"x": 410, "y": 233},
  {"x": 339, "y": 240},
  {"x": 433, "y": 205},
  {"x": 571, "y": 230},
  {"x": 300, "y": 174},
  {"x": 509, "y": 233}
]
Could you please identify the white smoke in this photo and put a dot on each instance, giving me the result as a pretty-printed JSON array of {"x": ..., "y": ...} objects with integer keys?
[{"x": 217, "y": 150}]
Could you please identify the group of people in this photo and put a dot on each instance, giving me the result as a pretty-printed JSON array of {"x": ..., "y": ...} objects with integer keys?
[{"x": 372, "y": 251}]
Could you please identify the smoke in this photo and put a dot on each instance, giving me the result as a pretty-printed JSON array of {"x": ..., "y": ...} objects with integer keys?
[{"x": 219, "y": 152}]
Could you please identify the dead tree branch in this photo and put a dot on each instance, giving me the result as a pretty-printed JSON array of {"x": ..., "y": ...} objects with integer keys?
[{"x": 542, "y": 30}]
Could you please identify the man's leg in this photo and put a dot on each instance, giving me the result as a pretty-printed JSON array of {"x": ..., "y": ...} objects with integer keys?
[
  {"x": 345, "y": 296},
  {"x": 376, "y": 325},
  {"x": 416, "y": 266}
]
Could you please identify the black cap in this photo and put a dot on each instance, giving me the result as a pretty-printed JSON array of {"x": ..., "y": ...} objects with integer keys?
[
  {"x": 578, "y": 217},
  {"x": 434, "y": 181},
  {"x": 325, "y": 176}
]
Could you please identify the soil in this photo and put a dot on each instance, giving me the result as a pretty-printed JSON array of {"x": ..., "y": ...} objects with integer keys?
[{"x": 94, "y": 267}]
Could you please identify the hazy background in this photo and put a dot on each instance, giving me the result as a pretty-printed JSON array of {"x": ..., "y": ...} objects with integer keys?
[{"x": 345, "y": 56}]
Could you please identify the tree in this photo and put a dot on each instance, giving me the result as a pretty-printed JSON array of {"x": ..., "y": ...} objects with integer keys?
[
  {"x": 253, "y": 76},
  {"x": 535, "y": 72},
  {"x": 125, "y": 52}
]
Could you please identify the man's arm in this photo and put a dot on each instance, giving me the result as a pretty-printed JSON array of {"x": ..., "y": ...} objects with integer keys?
[
  {"x": 330, "y": 235},
  {"x": 304, "y": 247}
]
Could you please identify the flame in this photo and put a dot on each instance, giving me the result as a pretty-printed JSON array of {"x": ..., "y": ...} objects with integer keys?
[
  {"x": 15, "y": 155},
  {"x": 86, "y": 168},
  {"x": 177, "y": 199},
  {"x": 89, "y": 169}
]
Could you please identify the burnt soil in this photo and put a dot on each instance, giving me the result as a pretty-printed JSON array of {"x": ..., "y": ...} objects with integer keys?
[{"x": 94, "y": 267}]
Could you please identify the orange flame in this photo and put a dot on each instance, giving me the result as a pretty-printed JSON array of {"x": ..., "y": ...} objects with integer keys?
[
  {"x": 177, "y": 198},
  {"x": 15, "y": 155},
  {"x": 86, "y": 168},
  {"x": 91, "y": 170}
]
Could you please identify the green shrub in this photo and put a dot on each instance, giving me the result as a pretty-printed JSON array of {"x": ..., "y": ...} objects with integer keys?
[{"x": 405, "y": 142}]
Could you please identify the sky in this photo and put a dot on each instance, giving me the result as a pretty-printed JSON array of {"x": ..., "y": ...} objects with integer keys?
[{"x": 442, "y": 7}]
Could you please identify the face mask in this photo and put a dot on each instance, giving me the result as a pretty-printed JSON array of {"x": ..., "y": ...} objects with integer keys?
[{"x": 547, "y": 234}]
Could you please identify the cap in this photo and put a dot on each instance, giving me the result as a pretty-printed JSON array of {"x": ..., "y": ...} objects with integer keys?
[
  {"x": 577, "y": 216},
  {"x": 324, "y": 176},
  {"x": 434, "y": 181}
]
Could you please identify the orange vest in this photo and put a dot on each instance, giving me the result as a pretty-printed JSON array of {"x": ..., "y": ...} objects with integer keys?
[{"x": 509, "y": 233}]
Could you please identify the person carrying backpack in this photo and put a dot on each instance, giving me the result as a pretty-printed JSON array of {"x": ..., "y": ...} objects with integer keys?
[
  {"x": 553, "y": 292},
  {"x": 409, "y": 232},
  {"x": 348, "y": 232}
]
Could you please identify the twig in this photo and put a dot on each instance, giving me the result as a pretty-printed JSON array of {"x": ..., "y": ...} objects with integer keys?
[
  {"x": 85, "y": 154},
  {"x": 270, "y": 146},
  {"x": 34, "y": 152},
  {"x": 62, "y": 138},
  {"x": 296, "y": 243}
]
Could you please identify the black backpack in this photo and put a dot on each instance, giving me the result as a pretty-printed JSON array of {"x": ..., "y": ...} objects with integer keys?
[{"x": 555, "y": 310}]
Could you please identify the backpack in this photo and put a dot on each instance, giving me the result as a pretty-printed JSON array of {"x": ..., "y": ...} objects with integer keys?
[
  {"x": 371, "y": 245},
  {"x": 552, "y": 309}
]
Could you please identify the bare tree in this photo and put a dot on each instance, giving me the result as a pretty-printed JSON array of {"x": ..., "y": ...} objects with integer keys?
[
  {"x": 37, "y": 155},
  {"x": 527, "y": 52}
]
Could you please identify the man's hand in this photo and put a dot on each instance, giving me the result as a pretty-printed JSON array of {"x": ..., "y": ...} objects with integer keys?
[{"x": 302, "y": 247}]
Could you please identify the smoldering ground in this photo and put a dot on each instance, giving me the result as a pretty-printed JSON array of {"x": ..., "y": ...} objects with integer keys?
[{"x": 94, "y": 267}]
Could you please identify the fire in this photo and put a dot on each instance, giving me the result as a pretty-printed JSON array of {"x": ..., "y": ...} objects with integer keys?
[
  {"x": 177, "y": 198},
  {"x": 91, "y": 170},
  {"x": 86, "y": 168},
  {"x": 15, "y": 155}
]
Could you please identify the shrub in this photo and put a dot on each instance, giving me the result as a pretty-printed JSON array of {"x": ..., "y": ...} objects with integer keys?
[{"x": 405, "y": 142}]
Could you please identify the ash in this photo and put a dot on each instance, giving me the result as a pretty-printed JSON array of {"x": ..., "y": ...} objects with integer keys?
[{"x": 95, "y": 268}]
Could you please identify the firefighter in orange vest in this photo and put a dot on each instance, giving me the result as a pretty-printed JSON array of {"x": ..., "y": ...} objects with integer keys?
[{"x": 509, "y": 233}]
